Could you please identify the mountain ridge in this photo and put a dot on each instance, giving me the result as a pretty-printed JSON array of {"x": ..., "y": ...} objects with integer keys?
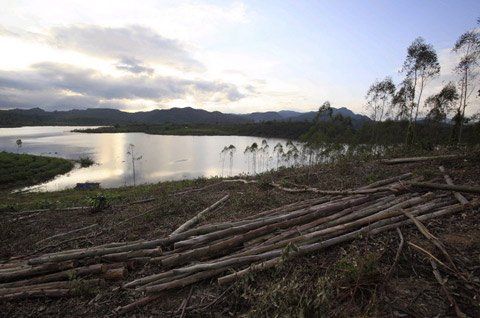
[{"x": 110, "y": 116}]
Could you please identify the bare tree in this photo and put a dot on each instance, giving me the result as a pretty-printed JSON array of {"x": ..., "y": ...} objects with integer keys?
[
  {"x": 420, "y": 66},
  {"x": 468, "y": 49}
]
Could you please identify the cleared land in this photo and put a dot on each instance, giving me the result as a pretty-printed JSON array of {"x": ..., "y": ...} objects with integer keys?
[{"x": 360, "y": 278}]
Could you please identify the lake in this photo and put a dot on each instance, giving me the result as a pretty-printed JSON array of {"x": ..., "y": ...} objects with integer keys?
[{"x": 157, "y": 157}]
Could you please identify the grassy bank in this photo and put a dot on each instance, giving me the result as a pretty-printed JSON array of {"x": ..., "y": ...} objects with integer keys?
[{"x": 19, "y": 170}]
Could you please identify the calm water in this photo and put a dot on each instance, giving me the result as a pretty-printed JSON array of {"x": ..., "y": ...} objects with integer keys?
[{"x": 162, "y": 157}]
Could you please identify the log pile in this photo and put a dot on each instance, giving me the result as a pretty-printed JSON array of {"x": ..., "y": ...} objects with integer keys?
[{"x": 230, "y": 250}]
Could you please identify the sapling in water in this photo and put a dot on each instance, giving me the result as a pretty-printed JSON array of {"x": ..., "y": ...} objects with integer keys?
[
  {"x": 131, "y": 153},
  {"x": 19, "y": 144}
]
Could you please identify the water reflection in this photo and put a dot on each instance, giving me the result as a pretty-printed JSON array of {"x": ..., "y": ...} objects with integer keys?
[{"x": 163, "y": 157}]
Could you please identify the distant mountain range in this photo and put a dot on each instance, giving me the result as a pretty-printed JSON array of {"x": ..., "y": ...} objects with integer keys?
[{"x": 105, "y": 116}]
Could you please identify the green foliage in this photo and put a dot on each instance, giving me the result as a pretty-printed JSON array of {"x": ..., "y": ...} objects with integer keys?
[
  {"x": 280, "y": 129},
  {"x": 17, "y": 170},
  {"x": 85, "y": 162},
  {"x": 99, "y": 202}
]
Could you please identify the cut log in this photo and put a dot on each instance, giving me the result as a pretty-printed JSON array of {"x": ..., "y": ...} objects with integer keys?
[
  {"x": 448, "y": 187},
  {"x": 185, "y": 281},
  {"x": 51, "y": 285},
  {"x": 358, "y": 211},
  {"x": 312, "y": 212},
  {"x": 419, "y": 159},
  {"x": 449, "y": 181},
  {"x": 196, "y": 219},
  {"x": 336, "y": 192},
  {"x": 32, "y": 271},
  {"x": 372, "y": 229},
  {"x": 229, "y": 243},
  {"x": 123, "y": 256},
  {"x": 47, "y": 293},
  {"x": 115, "y": 274},
  {"x": 64, "y": 275},
  {"x": 95, "y": 251}
]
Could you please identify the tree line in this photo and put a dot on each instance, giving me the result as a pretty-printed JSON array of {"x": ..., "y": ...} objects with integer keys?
[{"x": 444, "y": 110}]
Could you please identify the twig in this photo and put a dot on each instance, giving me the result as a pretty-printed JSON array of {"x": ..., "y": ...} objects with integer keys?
[
  {"x": 139, "y": 303},
  {"x": 66, "y": 233},
  {"x": 441, "y": 281},
  {"x": 397, "y": 255},
  {"x": 185, "y": 303},
  {"x": 430, "y": 237},
  {"x": 424, "y": 251},
  {"x": 25, "y": 217},
  {"x": 133, "y": 217},
  {"x": 213, "y": 302}
]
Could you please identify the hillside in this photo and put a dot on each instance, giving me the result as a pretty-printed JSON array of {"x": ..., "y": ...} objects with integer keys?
[
  {"x": 105, "y": 116},
  {"x": 368, "y": 275}
]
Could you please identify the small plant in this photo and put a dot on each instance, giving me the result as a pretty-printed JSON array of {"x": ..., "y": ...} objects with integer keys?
[
  {"x": 45, "y": 204},
  {"x": 85, "y": 162},
  {"x": 99, "y": 202}
]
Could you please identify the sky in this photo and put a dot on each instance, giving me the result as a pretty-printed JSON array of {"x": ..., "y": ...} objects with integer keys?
[{"x": 230, "y": 56}]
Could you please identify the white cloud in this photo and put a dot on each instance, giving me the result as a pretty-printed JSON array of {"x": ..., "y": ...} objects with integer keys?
[
  {"x": 132, "y": 42},
  {"x": 53, "y": 86}
]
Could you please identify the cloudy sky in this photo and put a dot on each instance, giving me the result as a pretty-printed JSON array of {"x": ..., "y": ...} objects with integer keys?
[{"x": 231, "y": 56}]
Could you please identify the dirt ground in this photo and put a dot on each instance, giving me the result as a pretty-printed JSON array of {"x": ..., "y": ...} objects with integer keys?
[{"x": 355, "y": 279}]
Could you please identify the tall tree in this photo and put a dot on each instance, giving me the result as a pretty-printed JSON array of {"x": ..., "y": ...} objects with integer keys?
[
  {"x": 402, "y": 101},
  {"x": 439, "y": 106},
  {"x": 420, "y": 66},
  {"x": 379, "y": 102},
  {"x": 468, "y": 49},
  {"x": 379, "y": 98}
]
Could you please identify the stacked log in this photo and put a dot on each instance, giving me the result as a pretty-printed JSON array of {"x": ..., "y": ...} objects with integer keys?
[{"x": 198, "y": 252}]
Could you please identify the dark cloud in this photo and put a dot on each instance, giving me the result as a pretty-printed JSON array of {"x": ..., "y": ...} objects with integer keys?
[
  {"x": 135, "y": 43},
  {"x": 60, "y": 86},
  {"x": 133, "y": 66}
]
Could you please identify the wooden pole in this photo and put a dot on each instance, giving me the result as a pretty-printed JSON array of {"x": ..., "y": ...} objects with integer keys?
[{"x": 197, "y": 218}]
